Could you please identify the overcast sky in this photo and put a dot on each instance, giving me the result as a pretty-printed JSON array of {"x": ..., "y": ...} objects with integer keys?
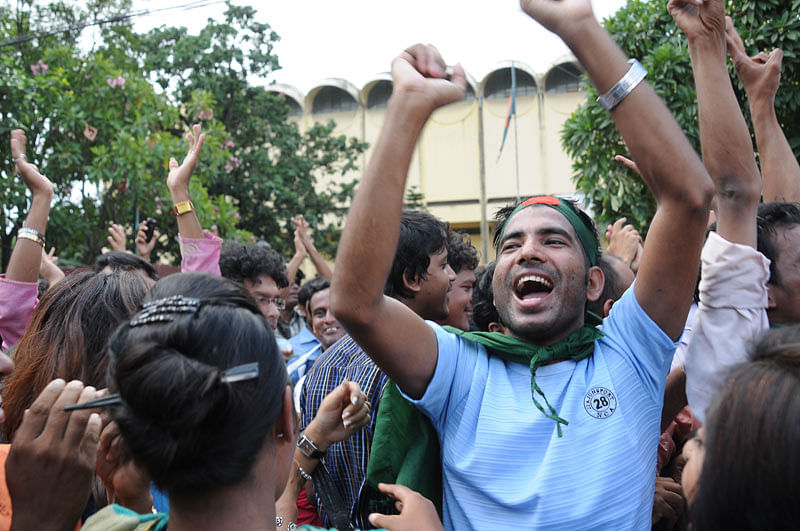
[{"x": 356, "y": 39}]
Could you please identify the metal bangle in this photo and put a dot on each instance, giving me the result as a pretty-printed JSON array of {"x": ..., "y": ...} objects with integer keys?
[
  {"x": 33, "y": 235},
  {"x": 635, "y": 74},
  {"x": 31, "y": 238}
]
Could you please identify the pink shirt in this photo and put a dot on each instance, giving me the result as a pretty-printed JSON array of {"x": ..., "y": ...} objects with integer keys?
[
  {"x": 200, "y": 255},
  {"x": 17, "y": 301}
]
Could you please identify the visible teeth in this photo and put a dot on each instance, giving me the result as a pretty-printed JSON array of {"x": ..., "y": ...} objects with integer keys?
[
  {"x": 534, "y": 278},
  {"x": 332, "y": 329}
]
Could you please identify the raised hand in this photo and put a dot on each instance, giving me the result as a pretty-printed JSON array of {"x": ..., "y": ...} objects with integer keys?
[
  {"x": 624, "y": 242},
  {"x": 628, "y": 163},
  {"x": 179, "y": 176},
  {"x": 416, "y": 511},
  {"x": 699, "y": 18},
  {"x": 116, "y": 238},
  {"x": 342, "y": 413},
  {"x": 143, "y": 247},
  {"x": 559, "y": 16},
  {"x": 37, "y": 183},
  {"x": 760, "y": 74},
  {"x": 420, "y": 72},
  {"x": 301, "y": 231},
  {"x": 49, "y": 268},
  {"x": 51, "y": 463}
]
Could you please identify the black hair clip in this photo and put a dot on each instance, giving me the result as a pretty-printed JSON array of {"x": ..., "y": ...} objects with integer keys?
[
  {"x": 110, "y": 400},
  {"x": 240, "y": 373},
  {"x": 164, "y": 310}
]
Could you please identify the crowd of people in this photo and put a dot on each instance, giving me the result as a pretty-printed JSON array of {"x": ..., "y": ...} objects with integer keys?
[{"x": 651, "y": 383}]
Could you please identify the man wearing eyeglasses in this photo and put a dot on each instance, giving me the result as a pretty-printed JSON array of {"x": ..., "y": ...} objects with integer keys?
[{"x": 262, "y": 271}]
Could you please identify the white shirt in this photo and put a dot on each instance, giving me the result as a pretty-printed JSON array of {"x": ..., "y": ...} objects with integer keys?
[{"x": 731, "y": 314}]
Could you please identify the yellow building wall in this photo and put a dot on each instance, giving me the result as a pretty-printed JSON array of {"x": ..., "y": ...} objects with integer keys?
[
  {"x": 446, "y": 162},
  {"x": 557, "y": 107}
]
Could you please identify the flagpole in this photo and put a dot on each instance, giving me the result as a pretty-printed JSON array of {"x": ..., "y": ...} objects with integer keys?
[
  {"x": 516, "y": 136},
  {"x": 516, "y": 143}
]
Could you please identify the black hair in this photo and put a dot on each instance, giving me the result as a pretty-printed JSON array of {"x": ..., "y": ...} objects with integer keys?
[
  {"x": 502, "y": 216},
  {"x": 461, "y": 255},
  {"x": 299, "y": 276},
  {"x": 611, "y": 287},
  {"x": 771, "y": 217},
  {"x": 309, "y": 289},
  {"x": 190, "y": 431},
  {"x": 483, "y": 310},
  {"x": 421, "y": 235},
  {"x": 124, "y": 261},
  {"x": 240, "y": 262},
  {"x": 751, "y": 470}
]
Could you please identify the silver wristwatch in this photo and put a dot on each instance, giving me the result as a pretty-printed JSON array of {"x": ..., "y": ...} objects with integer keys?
[{"x": 308, "y": 448}]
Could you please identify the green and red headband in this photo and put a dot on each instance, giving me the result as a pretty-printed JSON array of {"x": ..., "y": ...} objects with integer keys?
[{"x": 585, "y": 234}]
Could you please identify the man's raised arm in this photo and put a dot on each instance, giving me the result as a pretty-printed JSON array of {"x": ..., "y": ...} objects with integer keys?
[
  {"x": 669, "y": 165},
  {"x": 724, "y": 137},
  {"x": 761, "y": 77},
  {"x": 398, "y": 340}
]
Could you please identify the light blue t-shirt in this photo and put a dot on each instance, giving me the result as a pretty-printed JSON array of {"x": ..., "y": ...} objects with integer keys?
[{"x": 503, "y": 462}]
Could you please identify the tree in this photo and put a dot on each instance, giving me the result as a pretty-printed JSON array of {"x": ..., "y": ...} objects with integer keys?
[
  {"x": 103, "y": 131},
  {"x": 645, "y": 30},
  {"x": 273, "y": 172}
]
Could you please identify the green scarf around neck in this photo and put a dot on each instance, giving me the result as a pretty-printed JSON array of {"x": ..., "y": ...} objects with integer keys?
[
  {"x": 405, "y": 445},
  {"x": 577, "y": 346}
]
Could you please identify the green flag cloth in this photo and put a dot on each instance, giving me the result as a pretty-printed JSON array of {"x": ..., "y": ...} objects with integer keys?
[{"x": 405, "y": 445}]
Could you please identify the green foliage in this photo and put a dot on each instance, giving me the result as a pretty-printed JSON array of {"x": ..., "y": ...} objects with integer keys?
[
  {"x": 273, "y": 172},
  {"x": 645, "y": 30},
  {"x": 256, "y": 169},
  {"x": 414, "y": 198}
]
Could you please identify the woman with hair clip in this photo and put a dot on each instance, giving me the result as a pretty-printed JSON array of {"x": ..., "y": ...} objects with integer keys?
[
  {"x": 202, "y": 401},
  {"x": 742, "y": 468}
]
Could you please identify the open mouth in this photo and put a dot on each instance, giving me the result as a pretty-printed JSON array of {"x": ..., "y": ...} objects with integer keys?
[
  {"x": 532, "y": 287},
  {"x": 330, "y": 330}
]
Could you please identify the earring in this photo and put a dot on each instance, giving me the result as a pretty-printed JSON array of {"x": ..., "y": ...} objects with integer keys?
[{"x": 280, "y": 436}]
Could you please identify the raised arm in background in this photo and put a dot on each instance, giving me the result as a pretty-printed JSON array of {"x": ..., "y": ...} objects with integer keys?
[
  {"x": 145, "y": 248},
  {"x": 19, "y": 286},
  {"x": 625, "y": 242},
  {"x": 293, "y": 266},
  {"x": 26, "y": 257},
  {"x": 116, "y": 238},
  {"x": 733, "y": 295},
  {"x": 178, "y": 183},
  {"x": 49, "y": 270},
  {"x": 761, "y": 76},
  {"x": 724, "y": 137},
  {"x": 301, "y": 230}
]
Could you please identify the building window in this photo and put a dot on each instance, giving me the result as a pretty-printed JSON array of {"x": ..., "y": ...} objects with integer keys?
[
  {"x": 294, "y": 107},
  {"x": 469, "y": 94},
  {"x": 379, "y": 95},
  {"x": 565, "y": 77},
  {"x": 333, "y": 99},
  {"x": 499, "y": 84}
]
